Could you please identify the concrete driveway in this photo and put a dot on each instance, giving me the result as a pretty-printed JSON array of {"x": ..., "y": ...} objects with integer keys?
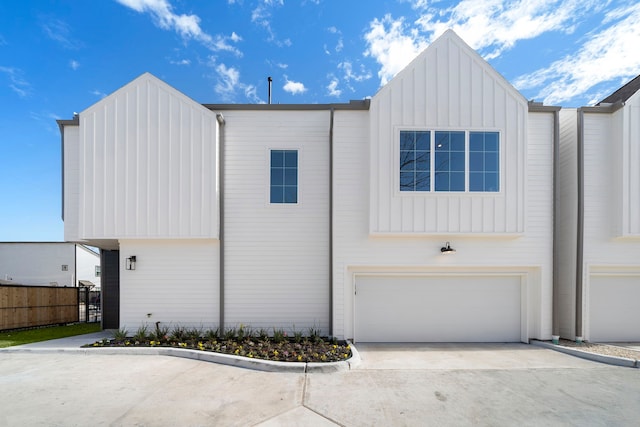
[{"x": 457, "y": 385}]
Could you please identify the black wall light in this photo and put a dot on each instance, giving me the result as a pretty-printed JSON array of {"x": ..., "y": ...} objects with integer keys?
[
  {"x": 447, "y": 249},
  {"x": 130, "y": 263}
]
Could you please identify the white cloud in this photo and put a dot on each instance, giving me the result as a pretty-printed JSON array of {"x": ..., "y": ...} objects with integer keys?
[
  {"x": 261, "y": 16},
  {"x": 17, "y": 83},
  {"x": 229, "y": 84},
  {"x": 98, "y": 93},
  {"x": 393, "y": 45},
  {"x": 187, "y": 26},
  {"x": 59, "y": 31},
  {"x": 349, "y": 74},
  {"x": 229, "y": 79},
  {"x": 293, "y": 88},
  {"x": 74, "y": 64},
  {"x": 609, "y": 55},
  {"x": 181, "y": 62},
  {"x": 332, "y": 88},
  {"x": 492, "y": 26},
  {"x": 489, "y": 26}
]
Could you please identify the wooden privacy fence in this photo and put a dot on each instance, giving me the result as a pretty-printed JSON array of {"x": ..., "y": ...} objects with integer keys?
[{"x": 29, "y": 306}]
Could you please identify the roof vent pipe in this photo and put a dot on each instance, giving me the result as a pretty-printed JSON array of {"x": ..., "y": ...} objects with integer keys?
[{"x": 269, "y": 79}]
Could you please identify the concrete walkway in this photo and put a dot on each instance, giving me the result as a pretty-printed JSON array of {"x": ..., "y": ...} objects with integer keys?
[{"x": 406, "y": 384}]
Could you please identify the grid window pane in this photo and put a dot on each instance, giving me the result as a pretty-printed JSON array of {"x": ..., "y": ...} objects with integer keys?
[
  {"x": 450, "y": 161},
  {"x": 284, "y": 176},
  {"x": 415, "y": 158},
  {"x": 484, "y": 161}
]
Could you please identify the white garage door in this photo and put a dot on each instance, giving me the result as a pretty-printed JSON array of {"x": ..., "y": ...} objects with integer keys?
[
  {"x": 437, "y": 308},
  {"x": 614, "y": 308}
]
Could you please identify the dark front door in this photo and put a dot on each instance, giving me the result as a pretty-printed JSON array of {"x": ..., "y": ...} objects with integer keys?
[{"x": 110, "y": 284}]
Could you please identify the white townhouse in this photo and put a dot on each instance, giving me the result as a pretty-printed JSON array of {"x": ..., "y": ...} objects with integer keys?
[
  {"x": 598, "y": 211},
  {"x": 422, "y": 214}
]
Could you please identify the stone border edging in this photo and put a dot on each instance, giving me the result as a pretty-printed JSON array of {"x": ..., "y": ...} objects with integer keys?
[
  {"x": 205, "y": 356},
  {"x": 602, "y": 358}
]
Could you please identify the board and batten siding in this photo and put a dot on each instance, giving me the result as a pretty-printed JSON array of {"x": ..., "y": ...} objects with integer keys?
[
  {"x": 147, "y": 165},
  {"x": 608, "y": 251},
  {"x": 566, "y": 211},
  {"x": 70, "y": 182},
  {"x": 357, "y": 252},
  {"x": 276, "y": 255},
  {"x": 629, "y": 138},
  {"x": 448, "y": 87},
  {"x": 176, "y": 282}
]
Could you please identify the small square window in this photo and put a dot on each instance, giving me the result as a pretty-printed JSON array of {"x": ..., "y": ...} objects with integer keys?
[{"x": 65, "y": 267}]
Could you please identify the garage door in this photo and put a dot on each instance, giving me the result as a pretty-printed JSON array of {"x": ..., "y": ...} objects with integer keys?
[
  {"x": 437, "y": 308},
  {"x": 614, "y": 308}
]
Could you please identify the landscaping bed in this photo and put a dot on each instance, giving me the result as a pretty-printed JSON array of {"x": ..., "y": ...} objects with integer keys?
[{"x": 274, "y": 345}]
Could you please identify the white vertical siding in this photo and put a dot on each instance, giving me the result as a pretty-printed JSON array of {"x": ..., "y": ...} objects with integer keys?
[
  {"x": 629, "y": 134},
  {"x": 448, "y": 87},
  {"x": 71, "y": 183},
  {"x": 566, "y": 211},
  {"x": 175, "y": 281},
  {"x": 147, "y": 165},
  {"x": 276, "y": 255},
  {"x": 610, "y": 174},
  {"x": 356, "y": 251}
]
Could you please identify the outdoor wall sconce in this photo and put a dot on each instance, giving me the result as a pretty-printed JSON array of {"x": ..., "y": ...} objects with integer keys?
[
  {"x": 130, "y": 263},
  {"x": 447, "y": 249}
]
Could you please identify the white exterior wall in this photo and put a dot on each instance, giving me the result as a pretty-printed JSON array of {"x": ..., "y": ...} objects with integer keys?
[
  {"x": 175, "y": 281},
  {"x": 86, "y": 263},
  {"x": 147, "y": 166},
  {"x": 566, "y": 210},
  {"x": 38, "y": 263},
  {"x": 611, "y": 156},
  {"x": 276, "y": 255},
  {"x": 448, "y": 87},
  {"x": 71, "y": 183},
  {"x": 357, "y": 252},
  {"x": 628, "y": 134}
]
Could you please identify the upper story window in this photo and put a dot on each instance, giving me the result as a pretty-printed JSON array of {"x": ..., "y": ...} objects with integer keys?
[
  {"x": 455, "y": 161},
  {"x": 284, "y": 176}
]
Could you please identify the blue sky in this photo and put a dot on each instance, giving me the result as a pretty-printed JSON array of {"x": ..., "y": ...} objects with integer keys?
[{"x": 60, "y": 57}]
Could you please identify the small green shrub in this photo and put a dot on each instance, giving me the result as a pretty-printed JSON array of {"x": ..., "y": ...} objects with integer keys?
[
  {"x": 120, "y": 334},
  {"x": 279, "y": 335},
  {"x": 230, "y": 334},
  {"x": 161, "y": 333},
  {"x": 142, "y": 333},
  {"x": 212, "y": 334}
]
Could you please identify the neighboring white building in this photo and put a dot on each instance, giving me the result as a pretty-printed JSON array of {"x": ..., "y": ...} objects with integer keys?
[
  {"x": 48, "y": 263},
  {"x": 328, "y": 216},
  {"x": 598, "y": 208}
]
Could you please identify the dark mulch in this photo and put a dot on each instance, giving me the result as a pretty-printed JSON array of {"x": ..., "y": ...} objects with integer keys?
[{"x": 283, "y": 350}]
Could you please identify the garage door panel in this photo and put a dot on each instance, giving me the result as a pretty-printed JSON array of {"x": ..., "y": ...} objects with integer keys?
[
  {"x": 437, "y": 309},
  {"x": 614, "y": 313}
]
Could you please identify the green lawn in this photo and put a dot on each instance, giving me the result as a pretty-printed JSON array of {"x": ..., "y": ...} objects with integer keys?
[{"x": 8, "y": 339}]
